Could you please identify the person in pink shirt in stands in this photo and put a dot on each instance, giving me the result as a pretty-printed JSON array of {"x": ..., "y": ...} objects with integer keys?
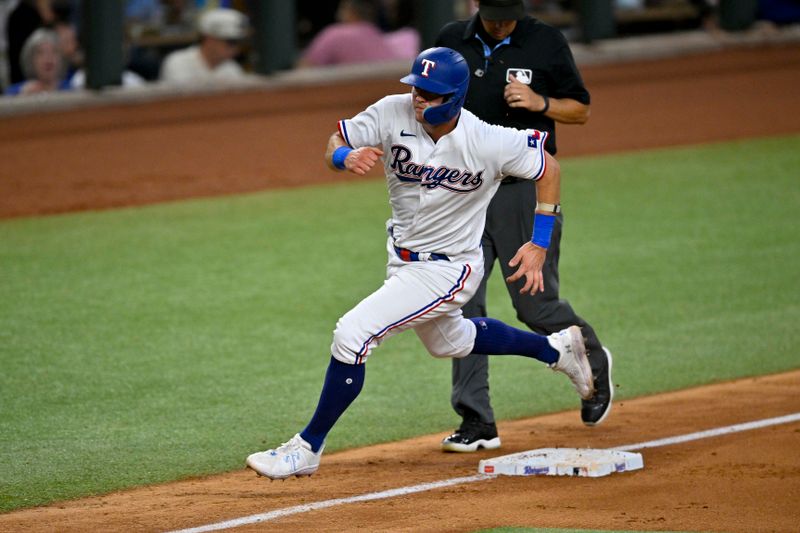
[{"x": 356, "y": 38}]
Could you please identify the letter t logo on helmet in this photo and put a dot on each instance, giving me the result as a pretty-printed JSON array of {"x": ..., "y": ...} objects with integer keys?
[
  {"x": 441, "y": 71},
  {"x": 427, "y": 64}
]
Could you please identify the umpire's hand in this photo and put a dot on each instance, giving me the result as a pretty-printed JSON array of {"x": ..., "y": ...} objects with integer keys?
[
  {"x": 520, "y": 95},
  {"x": 530, "y": 259}
]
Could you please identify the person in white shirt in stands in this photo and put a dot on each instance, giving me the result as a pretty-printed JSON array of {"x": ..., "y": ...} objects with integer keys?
[{"x": 212, "y": 59}]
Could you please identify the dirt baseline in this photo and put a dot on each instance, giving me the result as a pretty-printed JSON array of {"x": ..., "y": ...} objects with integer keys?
[
  {"x": 744, "y": 482},
  {"x": 206, "y": 146}
]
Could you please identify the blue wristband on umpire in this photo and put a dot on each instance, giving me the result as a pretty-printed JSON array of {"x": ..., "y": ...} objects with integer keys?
[
  {"x": 542, "y": 229},
  {"x": 339, "y": 155}
]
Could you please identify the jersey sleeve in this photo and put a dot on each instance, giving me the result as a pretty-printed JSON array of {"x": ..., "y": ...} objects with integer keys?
[
  {"x": 363, "y": 129},
  {"x": 566, "y": 78},
  {"x": 524, "y": 154}
]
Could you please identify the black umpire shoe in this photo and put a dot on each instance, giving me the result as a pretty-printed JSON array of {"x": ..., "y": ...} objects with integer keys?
[
  {"x": 472, "y": 434},
  {"x": 596, "y": 409}
]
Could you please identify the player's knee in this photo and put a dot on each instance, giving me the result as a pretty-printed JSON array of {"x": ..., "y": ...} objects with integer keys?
[
  {"x": 447, "y": 337},
  {"x": 345, "y": 347},
  {"x": 438, "y": 353},
  {"x": 442, "y": 350}
]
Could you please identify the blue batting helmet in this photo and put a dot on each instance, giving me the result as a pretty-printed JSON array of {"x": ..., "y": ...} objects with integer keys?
[{"x": 442, "y": 71}]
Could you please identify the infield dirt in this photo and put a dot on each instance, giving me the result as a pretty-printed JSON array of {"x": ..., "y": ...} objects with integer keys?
[
  {"x": 206, "y": 146},
  {"x": 744, "y": 482}
]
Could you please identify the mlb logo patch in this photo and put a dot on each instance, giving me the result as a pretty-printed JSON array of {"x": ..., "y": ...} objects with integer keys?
[
  {"x": 533, "y": 139},
  {"x": 523, "y": 75}
]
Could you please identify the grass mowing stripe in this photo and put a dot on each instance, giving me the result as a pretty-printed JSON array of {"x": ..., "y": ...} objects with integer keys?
[{"x": 143, "y": 345}]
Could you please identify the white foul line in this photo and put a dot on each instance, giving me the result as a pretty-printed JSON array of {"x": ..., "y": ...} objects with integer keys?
[
  {"x": 402, "y": 491},
  {"x": 710, "y": 433}
]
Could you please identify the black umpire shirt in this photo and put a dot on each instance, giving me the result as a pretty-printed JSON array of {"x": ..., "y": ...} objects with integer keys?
[{"x": 535, "y": 53}]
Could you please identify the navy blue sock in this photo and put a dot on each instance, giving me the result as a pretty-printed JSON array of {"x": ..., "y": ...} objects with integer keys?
[
  {"x": 496, "y": 338},
  {"x": 342, "y": 384}
]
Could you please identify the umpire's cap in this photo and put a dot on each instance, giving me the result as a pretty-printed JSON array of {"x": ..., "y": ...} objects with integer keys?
[{"x": 501, "y": 9}]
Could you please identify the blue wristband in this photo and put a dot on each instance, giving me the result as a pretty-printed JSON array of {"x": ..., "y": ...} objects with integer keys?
[
  {"x": 339, "y": 155},
  {"x": 542, "y": 229}
]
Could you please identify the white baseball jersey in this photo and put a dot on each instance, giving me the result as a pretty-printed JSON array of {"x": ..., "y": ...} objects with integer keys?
[{"x": 439, "y": 193}]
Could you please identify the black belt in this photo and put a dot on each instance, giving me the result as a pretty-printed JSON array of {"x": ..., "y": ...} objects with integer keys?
[
  {"x": 408, "y": 255},
  {"x": 511, "y": 179}
]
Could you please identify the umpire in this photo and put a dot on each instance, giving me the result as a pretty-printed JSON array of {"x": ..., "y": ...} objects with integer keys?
[{"x": 523, "y": 76}]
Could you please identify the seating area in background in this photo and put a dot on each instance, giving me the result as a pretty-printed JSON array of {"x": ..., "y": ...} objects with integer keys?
[
  {"x": 155, "y": 28},
  {"x": 633, "y": 16}
]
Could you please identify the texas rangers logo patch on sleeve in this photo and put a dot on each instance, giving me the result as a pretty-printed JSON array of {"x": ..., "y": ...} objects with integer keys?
[{"x": 533, "y": 139}]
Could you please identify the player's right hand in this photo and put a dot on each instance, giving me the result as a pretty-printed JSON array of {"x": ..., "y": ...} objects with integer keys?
[
  {"x": 530, "y": 259},
  {"x": 361, "y": 160}
]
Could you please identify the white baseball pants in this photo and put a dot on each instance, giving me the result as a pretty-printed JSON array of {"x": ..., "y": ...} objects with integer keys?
[{"x": 424, "y": 295}]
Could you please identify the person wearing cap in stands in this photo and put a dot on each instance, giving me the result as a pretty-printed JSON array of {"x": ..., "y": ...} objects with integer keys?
[{"x": 222, "y": 32}]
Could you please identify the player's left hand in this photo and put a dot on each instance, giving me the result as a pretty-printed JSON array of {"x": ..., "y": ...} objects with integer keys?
[
  {"x": 530, "y": 259},
  {"x": 520, "y": 95}
]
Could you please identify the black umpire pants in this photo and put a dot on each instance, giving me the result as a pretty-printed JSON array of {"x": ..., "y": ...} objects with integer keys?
[{"x": 509, "y": 223}]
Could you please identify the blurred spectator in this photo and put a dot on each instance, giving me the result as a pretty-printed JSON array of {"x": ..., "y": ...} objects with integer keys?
[
  {"x": 72, "y": 53},
  {"x": 22, "y": 22},
  {"x": 401, "y": 36},
  {"x": 222, "y": 32},
  {"x": 312, "y": 17},
  {"x": 42, "y": 65},
  {"x": 69, "y": 46},
  {"x": 355, "y": 38}
]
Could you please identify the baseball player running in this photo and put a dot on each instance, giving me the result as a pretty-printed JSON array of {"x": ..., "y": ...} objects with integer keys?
[{"x": 442, "y": 167}]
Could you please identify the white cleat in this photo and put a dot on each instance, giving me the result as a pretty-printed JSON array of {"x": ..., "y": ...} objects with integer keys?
[
  {"x": 572, "y": 359},
  {"x": 293, "y": 458}
]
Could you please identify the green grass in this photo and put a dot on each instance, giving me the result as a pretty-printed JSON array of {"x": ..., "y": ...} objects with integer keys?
[{"x": 151, "y": 344}]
